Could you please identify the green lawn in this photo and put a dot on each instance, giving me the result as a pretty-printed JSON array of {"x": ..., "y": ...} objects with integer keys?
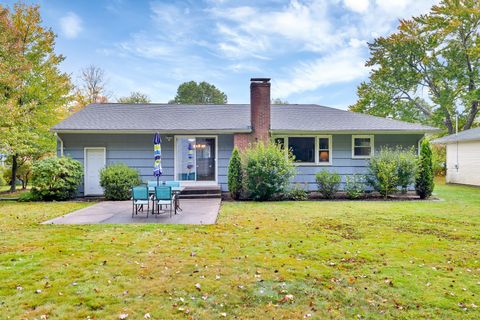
[
  {"x": 6, "y": 194},
  {"x": 355, "y": 260}
]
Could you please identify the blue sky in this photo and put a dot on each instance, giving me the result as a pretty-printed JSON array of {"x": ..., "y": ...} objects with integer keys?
[{"x": 314, "y": 51}]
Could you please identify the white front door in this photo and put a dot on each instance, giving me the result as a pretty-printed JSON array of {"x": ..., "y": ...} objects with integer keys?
[{"x": 94, "y": 162}]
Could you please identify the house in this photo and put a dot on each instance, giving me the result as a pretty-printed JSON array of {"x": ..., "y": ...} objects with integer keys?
[
  {"x": 463, "y": 156},
  {"x": 197, "y": 140}
]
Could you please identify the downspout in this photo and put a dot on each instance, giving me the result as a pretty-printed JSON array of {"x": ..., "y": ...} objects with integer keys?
[{"x": 61, "y": 144}]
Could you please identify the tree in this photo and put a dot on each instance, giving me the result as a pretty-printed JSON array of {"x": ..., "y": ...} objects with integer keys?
[
  {"x": 279, "y": 101},
  {"x": 33, "y": 92},
  {"x": 235, "y": 174},
  {"x": 429, "y": 70},
  {"x": 199, "y": 93},
  {"x": 135, "y": 97},
  {"x": 92, "y": 88},
  {"x": 424, "y": 182}
]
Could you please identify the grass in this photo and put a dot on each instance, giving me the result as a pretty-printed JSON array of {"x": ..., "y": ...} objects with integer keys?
[
  {"x": 6, "y": 194},
  {"x": 364, "y": 260}
]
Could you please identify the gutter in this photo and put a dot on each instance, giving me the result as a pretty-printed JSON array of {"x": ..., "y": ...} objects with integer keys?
[{"x": 152, "y": 131}]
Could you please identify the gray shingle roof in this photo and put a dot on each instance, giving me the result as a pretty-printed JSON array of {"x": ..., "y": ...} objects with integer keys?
[
  {"x": 230, "y": 117},
  {"x": 467, "y": 135},
  {"x": 161, "y": 117},
  {"x": 301, "y": 117}
]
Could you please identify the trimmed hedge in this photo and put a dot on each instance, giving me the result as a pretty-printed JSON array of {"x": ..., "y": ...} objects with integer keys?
[{"x": 117, "y": 181}]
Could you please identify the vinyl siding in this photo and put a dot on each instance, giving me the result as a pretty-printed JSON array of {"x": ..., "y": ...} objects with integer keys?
[
  {"x": 468, "y": 171},
  {"x": 342, "y": 161},
  {"x": 136, "y": 150}
]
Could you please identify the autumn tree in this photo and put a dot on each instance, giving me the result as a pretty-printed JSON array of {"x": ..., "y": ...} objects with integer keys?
[
  {"x": 92, "y": 88},
  {"x": 199, "y": 93},
  {"x": 33, "y": 91},
  {"x": 428, "y": 70},
  {"x": 135, "y": 97}
]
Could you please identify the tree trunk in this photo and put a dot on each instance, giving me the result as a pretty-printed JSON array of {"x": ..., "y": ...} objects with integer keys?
[
  {"x": 13, "y": 186},
  {"x": 472, "y": 115}
]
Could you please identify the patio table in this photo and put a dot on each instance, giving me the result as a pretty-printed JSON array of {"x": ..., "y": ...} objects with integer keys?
[{"x": 175, "y": 190}]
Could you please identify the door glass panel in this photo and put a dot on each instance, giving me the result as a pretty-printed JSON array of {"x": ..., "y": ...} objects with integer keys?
[
  {"x": 185, "y": 159},
  {"x": 205, "y": 159}
]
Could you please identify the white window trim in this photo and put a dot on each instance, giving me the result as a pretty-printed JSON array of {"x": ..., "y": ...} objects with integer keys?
[
  {"x": 372, "y": 145},
  {"x": 317, "y": 148}
]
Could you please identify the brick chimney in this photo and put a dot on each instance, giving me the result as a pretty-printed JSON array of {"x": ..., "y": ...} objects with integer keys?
[{"x": 259, "y": 114}]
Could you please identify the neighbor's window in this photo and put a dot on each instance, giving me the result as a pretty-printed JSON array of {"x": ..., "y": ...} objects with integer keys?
[
  {"x": 362, "y": 146},
  {"x": 303, "y": 148},
  {"x": 324, "y": 150}
]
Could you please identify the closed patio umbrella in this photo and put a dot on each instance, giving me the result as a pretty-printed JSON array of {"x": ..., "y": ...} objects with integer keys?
[{"x": 157, "y": 151}]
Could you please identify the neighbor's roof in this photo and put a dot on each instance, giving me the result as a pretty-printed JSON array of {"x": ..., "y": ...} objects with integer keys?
[
  {"x": 160, "y": 117},
  {"x": 229, "y": 117},
  {"x": 302, "y": 117},
  {"x": 467, "y": 135}
]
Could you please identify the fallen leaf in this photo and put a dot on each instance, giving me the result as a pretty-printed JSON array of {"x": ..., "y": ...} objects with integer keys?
[
  {"x": 146, "y": 316},
  {"x": 287, "y": 298},
  {"x": 123, "y": 316},
  {"x": 198, "y": 286}
]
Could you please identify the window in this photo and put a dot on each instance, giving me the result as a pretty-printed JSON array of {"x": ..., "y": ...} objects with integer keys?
[
  {"x": 362, "y": 146},
  {"x": 324, "y": 150},
  {"x": 303, "y": 148},
  {"x": 316, "y": 150}
]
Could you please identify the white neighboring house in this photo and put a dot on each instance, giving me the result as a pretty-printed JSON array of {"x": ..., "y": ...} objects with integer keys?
[{"x": 463, "y": 156}]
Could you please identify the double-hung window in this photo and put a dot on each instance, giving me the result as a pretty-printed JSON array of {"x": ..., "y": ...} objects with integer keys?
[
  {"x": 316, "y": 150},
  {"x": 362, "y": 146}
]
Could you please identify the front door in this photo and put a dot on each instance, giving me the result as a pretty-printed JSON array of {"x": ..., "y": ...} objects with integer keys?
[
  {"x": 94, "y": 162},
  {"x": 205, "y": 153},
  {"x": 195, "y": 158}
]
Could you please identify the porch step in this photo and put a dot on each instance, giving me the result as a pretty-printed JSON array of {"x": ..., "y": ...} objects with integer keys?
[{"x": 198, "y": 192}]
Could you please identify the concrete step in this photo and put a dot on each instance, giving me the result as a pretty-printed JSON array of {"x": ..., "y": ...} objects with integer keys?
[
  {"x": 195, "y": 190},
  {"x": 199, "y": 196}
]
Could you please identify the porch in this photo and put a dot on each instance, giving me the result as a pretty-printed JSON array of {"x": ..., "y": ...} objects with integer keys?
[{"x": 194, "y": 211}]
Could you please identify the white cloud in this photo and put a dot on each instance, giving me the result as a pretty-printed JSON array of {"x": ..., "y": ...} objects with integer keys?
[
  {"x": 341, "y": 66},
  {"x": 360, "y": 6},
  {"x": 71, "y": 25}
]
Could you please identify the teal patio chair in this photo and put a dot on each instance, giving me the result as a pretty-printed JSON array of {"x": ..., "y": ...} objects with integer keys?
[
  {"x": 173, "y": 184},
  {"x": 164, "y": 197},
  {"x": 139, "y": 199},
  {"x": 152, "y": 184}
]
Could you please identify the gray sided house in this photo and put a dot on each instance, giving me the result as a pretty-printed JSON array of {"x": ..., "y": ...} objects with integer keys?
[{"x": 197, "y": 140}]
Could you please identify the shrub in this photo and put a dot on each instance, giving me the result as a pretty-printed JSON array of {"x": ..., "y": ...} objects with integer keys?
[
  {"x": 424, "y": 181},
  {"x": 297, "y": 193},
  {"x": 328, "y": 183},
  {"x": 439, "y": 159},
  {"x": 28, "y": 197},
  {"x": 2, "y": 179},
  {"x": 355, "y": 186},
  {"x": 235, "y": 175},
  {"x": 406, "y": 168},
  {"x": 56, "y": 178},
  {"x": 267, "y": 170},
  {"x": 117, "y": 181},
  {"x": 383, "y": 172}
]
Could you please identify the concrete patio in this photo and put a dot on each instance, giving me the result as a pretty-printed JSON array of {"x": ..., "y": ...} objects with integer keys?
[{"x": 194, "y": 211}]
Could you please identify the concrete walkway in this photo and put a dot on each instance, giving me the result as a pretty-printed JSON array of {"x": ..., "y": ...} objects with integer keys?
[{"x": 194, "y": 211}]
